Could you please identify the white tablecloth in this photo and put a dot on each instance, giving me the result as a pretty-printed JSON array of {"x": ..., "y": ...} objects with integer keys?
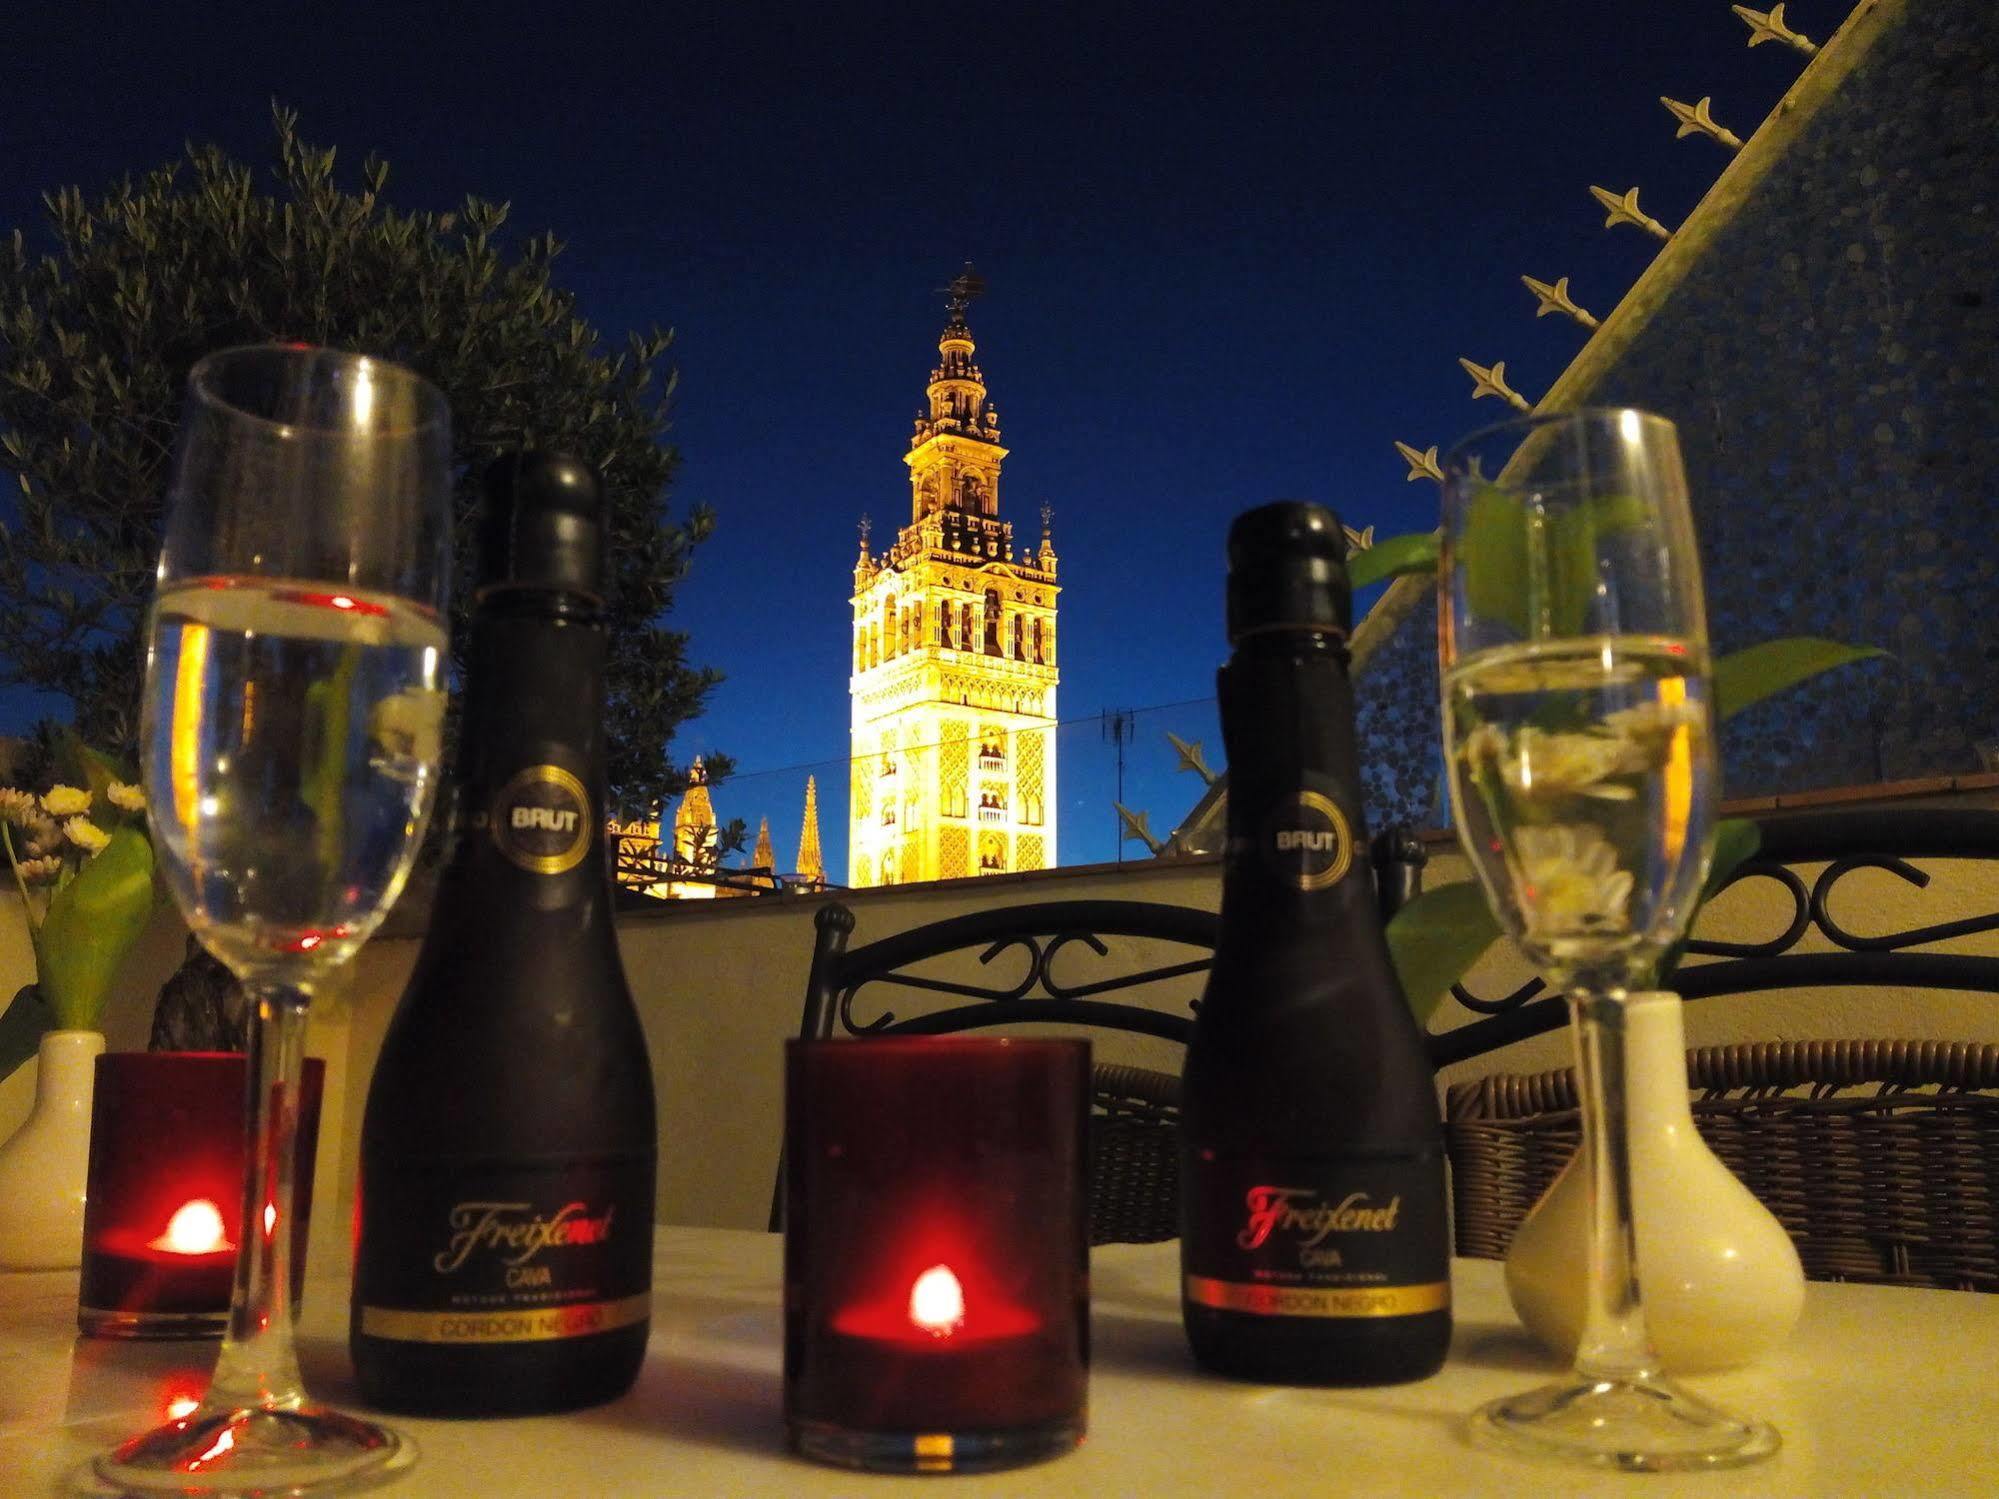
[{"x": 1882, "y": 1392}]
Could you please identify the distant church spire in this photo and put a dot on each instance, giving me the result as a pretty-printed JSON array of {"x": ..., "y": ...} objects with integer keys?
[
  {"x": 810, "y": 865},
  {"x": 694, "y": 818},
  {"x": 694, "y": 836},
  {"x": 765, "y": 857}
]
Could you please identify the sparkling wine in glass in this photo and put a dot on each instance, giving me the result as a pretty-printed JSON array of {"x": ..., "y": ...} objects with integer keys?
[
  {"x": 1579, "y": 739},
  {"x": 294, "y": 711}
]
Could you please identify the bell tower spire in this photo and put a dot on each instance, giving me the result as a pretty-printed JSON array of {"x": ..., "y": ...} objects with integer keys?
[{"x": 955, "y": 455}]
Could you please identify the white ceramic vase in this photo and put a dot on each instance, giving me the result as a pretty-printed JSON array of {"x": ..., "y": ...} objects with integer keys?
[
  {"x": 43, "y": 1164},
  {"x": 1721, "y": 1278}
]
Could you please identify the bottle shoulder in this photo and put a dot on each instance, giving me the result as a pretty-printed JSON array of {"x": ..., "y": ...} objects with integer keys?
[
  {"x": 519, "y": 1034},
  {"x": 1308, "y": 1071}
]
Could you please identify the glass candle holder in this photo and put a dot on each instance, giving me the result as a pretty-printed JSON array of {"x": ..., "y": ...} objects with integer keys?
[
  {"x": 163, "y": 1214},
  {"x": 936, "y": 1251}
]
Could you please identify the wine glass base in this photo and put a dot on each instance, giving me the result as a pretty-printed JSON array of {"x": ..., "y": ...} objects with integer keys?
[
  {"x": 1643, "y": 1425},
  {"x": 270, "y": 1452}
]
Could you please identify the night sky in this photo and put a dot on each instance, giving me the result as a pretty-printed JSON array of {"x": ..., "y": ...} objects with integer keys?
[{"x": 1230, "y": 256}]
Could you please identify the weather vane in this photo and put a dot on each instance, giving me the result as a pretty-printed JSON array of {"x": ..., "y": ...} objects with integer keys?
[{"x": 966, "y": 288}]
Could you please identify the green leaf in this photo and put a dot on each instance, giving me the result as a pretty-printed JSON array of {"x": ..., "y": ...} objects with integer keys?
[
  {"x": 91, "y": 925},
  {"x": 1394, "y": 557},
  {"x": 1535, "y": 569},
  {"x": 1435, "y": 939},
  {"x": 1747, "y": 676},
  {"x": 26, "y": 1020},
  {"x": 1492, "y": 558}
]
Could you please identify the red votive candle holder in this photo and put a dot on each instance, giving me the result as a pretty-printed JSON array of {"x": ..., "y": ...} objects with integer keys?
[
  {"x": 163, "y": 1211},
  {"x": 936, "y": 1254}
]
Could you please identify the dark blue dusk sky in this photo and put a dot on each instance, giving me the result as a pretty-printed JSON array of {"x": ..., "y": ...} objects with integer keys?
[{"x": 1232, "y": 253}]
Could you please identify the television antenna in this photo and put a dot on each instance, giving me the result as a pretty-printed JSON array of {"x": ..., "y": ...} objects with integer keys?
[{"x": 1118, "y": 725}]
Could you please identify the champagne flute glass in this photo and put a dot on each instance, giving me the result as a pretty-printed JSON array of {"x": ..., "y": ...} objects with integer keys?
[
  {"x": 1579, "y": 737},
  {"x": 294, "y": 708}
]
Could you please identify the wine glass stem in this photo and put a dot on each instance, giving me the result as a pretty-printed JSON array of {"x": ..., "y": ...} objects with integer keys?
[
  {"x": 258, "y": 1365},
  {"x": 1614, "y": 1343}
]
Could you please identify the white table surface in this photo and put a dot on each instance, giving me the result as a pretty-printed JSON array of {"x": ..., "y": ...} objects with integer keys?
[{"x": 1881, "y": 1391}]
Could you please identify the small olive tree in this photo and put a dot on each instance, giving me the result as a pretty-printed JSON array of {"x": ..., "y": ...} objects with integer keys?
[{"x": 97, "y": 336}]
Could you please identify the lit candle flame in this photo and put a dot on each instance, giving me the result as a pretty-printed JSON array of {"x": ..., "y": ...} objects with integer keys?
[
  {"x": 195, "y": 1228},
  {"x": 270, "y": 1218},
  {"x": 182, "y": 1405},
  {"x": 937, "y": 1302}
]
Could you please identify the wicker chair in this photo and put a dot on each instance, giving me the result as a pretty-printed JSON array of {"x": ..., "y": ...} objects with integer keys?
[
  {"x": 1881, "y": 1158},
  {"x": 1134, "y": 1179}
]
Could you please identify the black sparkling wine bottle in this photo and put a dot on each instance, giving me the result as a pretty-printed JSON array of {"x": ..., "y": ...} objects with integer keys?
[
  {"x": 1313, "y": 1241},
  {"x": 504, "y": 1255}
]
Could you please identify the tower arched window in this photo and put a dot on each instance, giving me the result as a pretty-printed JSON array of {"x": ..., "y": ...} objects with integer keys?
[
  {"x": 1040, "y": 643},
  {"x": 889, "y": 625},
  {"x": 964, "y": 627},
  {"x": 992, "y": 622},
  {"x": 1019, "y": 638}
]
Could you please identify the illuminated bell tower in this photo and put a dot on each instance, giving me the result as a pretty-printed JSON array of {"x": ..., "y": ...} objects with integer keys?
[{"x": 954, "y": 656}]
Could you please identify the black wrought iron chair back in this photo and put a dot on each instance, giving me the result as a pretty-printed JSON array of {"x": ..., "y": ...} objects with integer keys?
[
  {"x": 1844, "y": 842},
  {"x": 1135, "y": 1115}
]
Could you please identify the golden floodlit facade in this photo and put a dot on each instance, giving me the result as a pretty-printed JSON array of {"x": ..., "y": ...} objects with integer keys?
[{"x": 954, "y": 656}]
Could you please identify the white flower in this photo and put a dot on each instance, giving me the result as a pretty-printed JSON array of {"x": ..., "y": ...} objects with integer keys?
[
  {"x": 1570, "y": 884},
  {"x": 1543, "y": 764},
  {"x": 39, "y": 834},
  {"x": 125, "y": 798},
  {"x": 42, "y": 871},
  {"x": 65, "y": 801},
  {"x": 1649, "y": 727},
  {"x": 86, "y": 835},
  {"x": 409, "y": 725},
  {"x": 21, "y": 808}
]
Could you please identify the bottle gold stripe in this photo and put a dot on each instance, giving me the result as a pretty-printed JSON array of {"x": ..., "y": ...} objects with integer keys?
[
  {"x": 1311, "y": 1301},
  {"x": 540, "y": 1324}
]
